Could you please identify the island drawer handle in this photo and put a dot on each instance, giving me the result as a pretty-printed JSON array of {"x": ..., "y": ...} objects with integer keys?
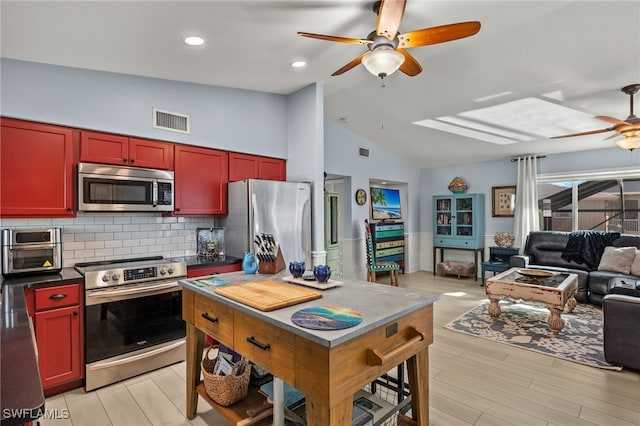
[
  {"x": 206, "y": 316},
  {"x": 258, "y": 344},
  {"x": 374, "y": 357}
]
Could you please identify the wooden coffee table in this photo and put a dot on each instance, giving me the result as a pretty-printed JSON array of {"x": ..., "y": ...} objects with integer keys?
[{"x": 554, "y": 289}]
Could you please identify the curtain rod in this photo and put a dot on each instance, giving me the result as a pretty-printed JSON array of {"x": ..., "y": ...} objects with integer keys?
[{"x": 513, "y": 160}]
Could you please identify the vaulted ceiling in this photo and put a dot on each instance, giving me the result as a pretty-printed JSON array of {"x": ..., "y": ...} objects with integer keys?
[{"x": 512, "y": 79}]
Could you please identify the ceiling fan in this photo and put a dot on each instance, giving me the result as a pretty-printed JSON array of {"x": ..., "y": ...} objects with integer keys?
[
  {"x": 629, "y": 128},
  {"x": 386, "y": 46}
]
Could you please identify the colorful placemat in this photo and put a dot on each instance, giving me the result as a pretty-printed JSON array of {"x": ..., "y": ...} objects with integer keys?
[{"x": 326, "y": 318}]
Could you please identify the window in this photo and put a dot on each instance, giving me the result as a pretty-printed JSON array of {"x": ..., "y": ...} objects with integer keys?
[{"x": 598, "y": 200}]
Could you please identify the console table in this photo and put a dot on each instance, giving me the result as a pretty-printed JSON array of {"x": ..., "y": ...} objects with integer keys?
[
  {"x": 498, "y": 260},
  {"x": 327, "y": 366}
]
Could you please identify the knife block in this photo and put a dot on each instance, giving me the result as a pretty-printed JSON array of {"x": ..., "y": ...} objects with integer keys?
[{"x": 272, "y": 267}]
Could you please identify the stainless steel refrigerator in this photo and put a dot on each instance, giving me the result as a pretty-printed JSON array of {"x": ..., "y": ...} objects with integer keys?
[{"x": 282, "y": 209}]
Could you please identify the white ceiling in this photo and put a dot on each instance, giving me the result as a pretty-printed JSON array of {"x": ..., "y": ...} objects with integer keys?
[{"x": 583, "y": 51}]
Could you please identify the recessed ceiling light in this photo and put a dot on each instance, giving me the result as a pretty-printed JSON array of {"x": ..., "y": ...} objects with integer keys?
[
  {"x": 194, "y": 40},
  {"x": 298, "y": 64}
]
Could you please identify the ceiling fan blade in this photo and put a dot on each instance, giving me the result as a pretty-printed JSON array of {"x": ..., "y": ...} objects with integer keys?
[
  {"x": 336, "y": 38},
  {"x": 389, "y": 17},
  {"x": 435, "y": 35},
  {"x": 410, "y": 66},
  {"x": 611, "y": 120},
  {"x": 591, "y": 132},
  {"x": 350, "y": 65}
]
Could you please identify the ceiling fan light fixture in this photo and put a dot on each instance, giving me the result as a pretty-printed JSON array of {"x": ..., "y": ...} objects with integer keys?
[
  {"x": 629, "y": 143},
  {"x": 383, "y": 62}
]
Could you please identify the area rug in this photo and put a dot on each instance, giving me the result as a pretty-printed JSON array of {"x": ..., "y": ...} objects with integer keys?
[{"x": 525, "y": 325}]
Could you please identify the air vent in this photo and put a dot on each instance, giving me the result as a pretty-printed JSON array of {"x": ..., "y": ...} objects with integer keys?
[
  {"x": 364, "y": 152},
  {"x": 171, "y": 121}
]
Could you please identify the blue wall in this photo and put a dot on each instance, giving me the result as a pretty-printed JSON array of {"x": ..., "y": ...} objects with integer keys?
[{"x": 223, "y": 118}]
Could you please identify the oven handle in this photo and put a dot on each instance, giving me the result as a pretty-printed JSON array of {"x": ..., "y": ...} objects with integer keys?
[
  {"x": 144, "y": 355},
  {"x": 132, "y": 291}
]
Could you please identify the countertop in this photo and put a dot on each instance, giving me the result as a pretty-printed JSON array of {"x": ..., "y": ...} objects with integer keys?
[
  {"x": 22, "y": 397},
  {"x": 378, "y": 304}
]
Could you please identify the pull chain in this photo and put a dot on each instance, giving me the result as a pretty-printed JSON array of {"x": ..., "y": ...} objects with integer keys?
[{"x": 382, "y": 86}]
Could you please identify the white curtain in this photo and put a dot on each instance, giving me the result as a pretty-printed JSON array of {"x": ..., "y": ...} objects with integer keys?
[{"x": 526, "y": 216}]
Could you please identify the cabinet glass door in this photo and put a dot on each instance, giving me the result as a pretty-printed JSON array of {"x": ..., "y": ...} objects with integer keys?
[
  {"x": 464, "y": 216},
  {"x": 444, "y": 223}
]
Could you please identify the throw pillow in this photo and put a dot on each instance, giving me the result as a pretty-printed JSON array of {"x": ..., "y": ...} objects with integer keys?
[
  {"x": 635, "y": 266},
  {"x": 617, "y": 259}
]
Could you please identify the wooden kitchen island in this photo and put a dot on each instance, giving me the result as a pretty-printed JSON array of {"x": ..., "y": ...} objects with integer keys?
[{"x": 327, "y": 366}]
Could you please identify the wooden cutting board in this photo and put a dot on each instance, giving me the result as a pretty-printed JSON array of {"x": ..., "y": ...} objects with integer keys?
[{"x": 268, "y": 295}]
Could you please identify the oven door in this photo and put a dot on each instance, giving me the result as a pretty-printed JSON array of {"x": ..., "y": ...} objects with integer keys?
[
  {"x": 31, "y": 258},
  {"x": 120, "y": 320}
]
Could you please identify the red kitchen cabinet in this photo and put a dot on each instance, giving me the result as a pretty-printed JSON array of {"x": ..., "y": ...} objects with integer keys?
[
  {"x": 106, "y": 148},
  {"x": 203, "y": 271},
  {"x": 200, "y": 181},
  {"x": 245, "y": 166},
  {"x": 36, "y": 169},
  {"x": 58, "y": 323}
]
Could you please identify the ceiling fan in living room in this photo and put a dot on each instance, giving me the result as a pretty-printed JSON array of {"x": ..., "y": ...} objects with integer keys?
[
  {"x": 386, "y": 46},
  {"x": 629, "y": 128}
]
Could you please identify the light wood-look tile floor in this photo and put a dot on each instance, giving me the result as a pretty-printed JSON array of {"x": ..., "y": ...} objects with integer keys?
[{"x": 473, "y": 382}]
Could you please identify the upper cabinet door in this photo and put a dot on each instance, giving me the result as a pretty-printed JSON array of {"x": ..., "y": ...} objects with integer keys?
[
  {"x": 273, "y": 169},
  {"x": 200, "y": 181},
  {"x": 36, "y": 170},
  {"x": 150, "y": 154},
  {"x": 245, "y": 166},
  {"x": 242, "y": 166},
  {"x": 105, "y": 148}
]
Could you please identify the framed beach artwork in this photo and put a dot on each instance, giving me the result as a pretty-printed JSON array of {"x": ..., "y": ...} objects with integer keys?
[
  {"x": 503, "y": 201},
  {"x": 385, "y": 204}
]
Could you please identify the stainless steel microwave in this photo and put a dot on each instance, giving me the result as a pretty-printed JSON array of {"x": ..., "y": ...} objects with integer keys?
[{"x": 116, "y": 188}]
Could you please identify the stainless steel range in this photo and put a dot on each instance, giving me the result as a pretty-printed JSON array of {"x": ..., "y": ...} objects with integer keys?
[{"x": 133, "y": 317}]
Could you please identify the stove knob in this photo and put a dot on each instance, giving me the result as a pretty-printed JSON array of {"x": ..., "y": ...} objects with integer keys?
[
  {"x": 163, "y": 271},
  {"x": 115, "y": 277},
  {"x": 171, "y": 270},
  {"x": 106, "y": 278}
]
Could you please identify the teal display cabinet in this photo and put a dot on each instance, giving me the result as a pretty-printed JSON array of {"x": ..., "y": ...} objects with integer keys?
[{"x": 458, "y": 223}]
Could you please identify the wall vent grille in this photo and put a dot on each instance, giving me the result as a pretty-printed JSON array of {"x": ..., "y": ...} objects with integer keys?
[
  {"x": 363, "y": 152},
  {"x": 171, "y": 121}
]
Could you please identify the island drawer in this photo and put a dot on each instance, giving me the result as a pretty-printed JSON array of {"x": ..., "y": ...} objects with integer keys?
[
  {"x": 271, "y": 347},
  {"x": 214, "y": 318}
]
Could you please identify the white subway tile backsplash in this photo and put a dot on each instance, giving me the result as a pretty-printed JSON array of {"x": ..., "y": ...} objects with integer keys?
[
  {"x": 100, "y": 236},
  {"x": 94, "y": 244},
  {"x": 104, "y": 252},
  {"x": 113, "y": 243},
  {"x": 104, "y": 236},
  {"x": 87, "y": 236}
]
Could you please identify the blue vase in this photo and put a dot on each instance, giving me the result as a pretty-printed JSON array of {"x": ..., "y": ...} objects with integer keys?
[
  {"x": 249, "y": 263},
  {"x": 296, "y": 269},
  {"x": 322, "y": 273}
]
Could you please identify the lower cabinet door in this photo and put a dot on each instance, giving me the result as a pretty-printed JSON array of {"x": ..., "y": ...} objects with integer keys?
[{"x": 58, "y": 340}]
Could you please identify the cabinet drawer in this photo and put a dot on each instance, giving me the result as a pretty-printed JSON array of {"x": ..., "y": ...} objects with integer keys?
[
  {"x": 58, "y": 296},
  {"x": 266, "y": 345},
  {"x": 215, "y": 319}
]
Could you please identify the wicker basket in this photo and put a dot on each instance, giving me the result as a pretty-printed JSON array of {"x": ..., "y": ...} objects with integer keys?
[{"x": 224, "y": 390}]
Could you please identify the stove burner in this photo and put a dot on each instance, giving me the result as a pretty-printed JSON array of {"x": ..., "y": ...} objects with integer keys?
[{"x": 117, "y": 261}]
